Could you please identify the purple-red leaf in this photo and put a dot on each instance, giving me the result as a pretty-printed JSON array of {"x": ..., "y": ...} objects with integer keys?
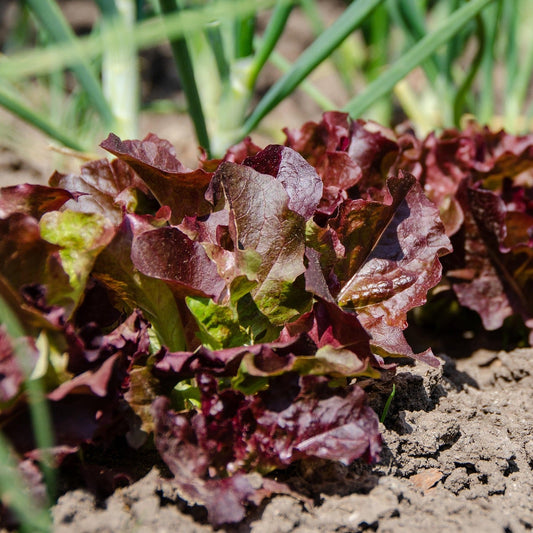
[
  {"x": 444, "y": 166},
  {"x": 178, "y": 444},
  {"x": 324, "y": 145},
  {"x": 33, "y": 200},
  {"x": 27, "y": 259},
  {"x": 99, "y": 187},
  {"x": 168, "y": 254},
  {"x": 233, "y": 434},
  {"x": 494, "y": 281},
  {"x": 88, "y": 383},
  {"x": 170, "y": 182},
  {"x": 374, "y": 149},
  {"x": 389, "y": 341},
  {"x": 392, "y": 254},
  {"x": 299, "y": 178}
]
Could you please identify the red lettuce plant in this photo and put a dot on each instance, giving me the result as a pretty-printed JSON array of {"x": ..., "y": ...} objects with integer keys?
[
  {"x": 481, "y": 181},
  {"x": 228, "y": 310}
]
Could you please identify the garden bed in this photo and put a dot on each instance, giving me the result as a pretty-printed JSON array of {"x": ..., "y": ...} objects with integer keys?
[
  {"x": 457, "y": 452},
  {"x": 457, "y": 456}
]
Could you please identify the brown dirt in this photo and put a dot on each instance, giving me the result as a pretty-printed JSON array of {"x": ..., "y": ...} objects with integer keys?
[{"x": 457, "y": 456}]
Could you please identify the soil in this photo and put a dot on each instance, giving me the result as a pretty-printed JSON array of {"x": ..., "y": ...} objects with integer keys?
[
  {"x": 457, "y": 440},
  {"x": 457, "y": 456}
]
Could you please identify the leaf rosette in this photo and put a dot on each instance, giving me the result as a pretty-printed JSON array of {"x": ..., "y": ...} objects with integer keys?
[{"x": 230, "y": 310}]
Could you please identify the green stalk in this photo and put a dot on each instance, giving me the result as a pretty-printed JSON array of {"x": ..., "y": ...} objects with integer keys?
[
  {"x": 20, "y": 31},
  {"x": 413, "y": 23},
  {"x": 379, "y": 30},
  {"x": 491, "y": 20},
  {"x": 388, "y": 404},
  {"x": 184, "y": 65},
  {"x": 454, "y": 47},
  {"x": 515, "y": 101},
  {"x": 39, "y": 412},
  {"x": 462, "y": 91},
  {"x": 214, "y": 37},
  {"x": 226, "y": 103},
  {"x": 411, "y": 17},
  {"x": 319, "y": 98},
  {"x": 273, "y": 31},
  {"x": 14, "y": 495},
  {"x": 319, "y": 50},
  {"x": 511, "y": 18},
  {"x": 244, "y": 37},
  {"x": 10, "y": 101},
  {"x": 57, "y": 96},
  {"x": 55, "y": 84},
  {"x": 518, "y": 92},
  {"x": 42, "y": 428},
  {"x": 378, "y": 39},
  {"x": 414, "y": 57},
  {"x": 343, "y": 57},
  {"x": 191, "y": 22},
  {"x": 120, "y": 65},
  {"x": 51, "y": 18}
]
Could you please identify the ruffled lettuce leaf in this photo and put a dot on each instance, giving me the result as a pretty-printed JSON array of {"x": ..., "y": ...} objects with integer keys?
[
  {"x": 391, "y": 259},
  {"x": 268, "y": 239},
  {"x": 104, "y": 188},
  {"x": 170, "y": 182},
  {"x": 491, "y": 277},
  {"x": 168, "y": 254},
  {"x": 33, "y": 200},
  {"x": 299, "y": 179},
  {"x": 235, "y": 434}
]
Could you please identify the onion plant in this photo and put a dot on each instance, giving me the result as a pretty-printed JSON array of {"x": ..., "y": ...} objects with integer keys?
[
  {"x": 14, "y": 493},
  {"x": 220, "y": 53}
]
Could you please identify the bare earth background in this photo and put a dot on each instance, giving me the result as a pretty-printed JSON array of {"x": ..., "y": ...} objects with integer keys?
[{"x": 458, "y": 440}]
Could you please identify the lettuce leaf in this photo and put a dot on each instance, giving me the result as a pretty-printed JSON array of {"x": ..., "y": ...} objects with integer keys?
[{"x": 296, "y": 418}]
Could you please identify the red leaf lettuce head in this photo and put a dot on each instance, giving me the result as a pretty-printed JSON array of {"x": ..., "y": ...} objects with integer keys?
[{"x": 228, "y": 309}]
